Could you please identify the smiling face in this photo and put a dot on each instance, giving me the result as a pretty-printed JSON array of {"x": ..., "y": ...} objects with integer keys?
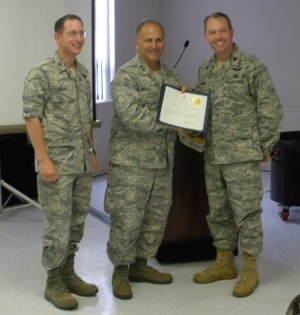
[
  {"x": 70, "y": 40},
  {"x": 219, "y": 35},
  {"x": 150, "y": 44}
]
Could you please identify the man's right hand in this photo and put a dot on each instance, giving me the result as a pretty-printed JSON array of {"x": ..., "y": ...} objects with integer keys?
[{"x": 48, "y": 171}]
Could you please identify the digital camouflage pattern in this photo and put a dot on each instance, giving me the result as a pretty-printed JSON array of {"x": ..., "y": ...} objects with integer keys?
[
  {"x": 137, "y": 138},
  {"x": 65, "y": 204},
  {"x": 237, "y": 216},
  {"x": 245, "y": 122},
  {"x": 62, "y": 101},
  {"x": 141, "y": 154},
  {"x": 245, "y": 114},
  {"x": 129, "y": 204}
]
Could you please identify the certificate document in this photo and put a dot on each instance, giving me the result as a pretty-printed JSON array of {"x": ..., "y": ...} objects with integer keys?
[{"x": 187, "y": 110}]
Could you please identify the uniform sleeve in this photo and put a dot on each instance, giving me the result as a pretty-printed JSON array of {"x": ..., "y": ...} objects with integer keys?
[
  {"x": 269, "y": 109},
  {"x": 136, "y": 110},
  {"x": 35, "y": 93},
  {"x": 198, "y": 82},
  {"x": 201, "y": 83}
]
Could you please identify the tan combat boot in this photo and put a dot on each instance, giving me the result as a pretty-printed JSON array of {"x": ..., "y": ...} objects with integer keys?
[
  {"x": 249, "y": 277},
  {"x": 120, "y": 283},
  {"x": 223, "y": 268},
  {"x": 73, "y": 283},
  {"x": 139, "y": 271},
  {"x": 57, "y": 293}
]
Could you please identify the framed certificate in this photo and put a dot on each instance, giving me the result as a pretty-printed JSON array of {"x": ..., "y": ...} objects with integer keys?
[{"x": 187, "y": 110}]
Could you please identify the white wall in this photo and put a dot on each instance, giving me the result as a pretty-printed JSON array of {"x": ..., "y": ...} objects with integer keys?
[
  {"x": 128, "y": 14},
  {"x": 267, "y": 28},
  {"x": 27, "y": 37}
]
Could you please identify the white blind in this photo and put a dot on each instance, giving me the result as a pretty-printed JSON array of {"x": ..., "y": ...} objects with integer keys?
[{"x": 104, "y": 45}]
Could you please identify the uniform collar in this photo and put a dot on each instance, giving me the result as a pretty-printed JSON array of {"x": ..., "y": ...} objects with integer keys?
[
  {"x": 234, "y": 58},
  {"x": 142, "y": 64},
  {"x": 60, "y": 62}
]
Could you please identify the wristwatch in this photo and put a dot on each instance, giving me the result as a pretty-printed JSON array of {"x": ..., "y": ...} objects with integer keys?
[{"x": 93, "y": 150}]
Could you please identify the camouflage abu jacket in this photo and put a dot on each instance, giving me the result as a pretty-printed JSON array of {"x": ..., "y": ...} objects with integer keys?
[
  {"x": 137, "y": 139},
  {"x": 245, "y": 115},
  {"x": 63, "y": 104}
]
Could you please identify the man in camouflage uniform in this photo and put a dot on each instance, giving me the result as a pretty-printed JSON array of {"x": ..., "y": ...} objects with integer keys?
[
  {"x": 245, "y": 122},
  {"x": 294, "y": 306},
  {"x": 57, "y": 112},
  {"x": 139, "y": 191}
]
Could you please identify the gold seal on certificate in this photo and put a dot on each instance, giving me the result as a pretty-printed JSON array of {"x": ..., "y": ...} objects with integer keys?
[
  {"x": 196, "y": 101},
  {"x": 187, "y": 110}
]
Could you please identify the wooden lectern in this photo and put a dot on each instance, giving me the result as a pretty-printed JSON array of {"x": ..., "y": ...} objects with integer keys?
[{"x": 187, "y": 236}]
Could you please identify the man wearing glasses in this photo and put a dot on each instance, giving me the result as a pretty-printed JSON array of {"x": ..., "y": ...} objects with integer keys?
[{"x": 57, "y": 112}]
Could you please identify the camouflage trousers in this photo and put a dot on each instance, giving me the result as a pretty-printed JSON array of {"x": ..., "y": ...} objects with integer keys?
[
  {"x": 65, "y": 204},
  {"x": 234, "y": 196},
  {"x": 138, "y": 201}
]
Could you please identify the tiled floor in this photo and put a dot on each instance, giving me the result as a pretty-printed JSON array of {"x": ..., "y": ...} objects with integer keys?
[{"x": 22, "y": 279}]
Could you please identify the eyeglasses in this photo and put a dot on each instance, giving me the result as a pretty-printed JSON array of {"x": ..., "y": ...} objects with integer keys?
[{"x": 74, "y": 34}]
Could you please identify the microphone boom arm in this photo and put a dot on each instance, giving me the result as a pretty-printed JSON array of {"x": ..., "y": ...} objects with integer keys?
[{"x": 184, "y": 48}]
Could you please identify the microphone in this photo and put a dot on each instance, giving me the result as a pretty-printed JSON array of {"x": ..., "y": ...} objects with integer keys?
[{"x": 185, "y": 46}]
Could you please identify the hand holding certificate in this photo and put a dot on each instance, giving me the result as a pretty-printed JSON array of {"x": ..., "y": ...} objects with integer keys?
[{"x": 187, "y": 110}]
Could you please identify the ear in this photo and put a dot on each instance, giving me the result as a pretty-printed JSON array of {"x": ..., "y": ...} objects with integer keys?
[
  {"x": 57, "y": 36},
  {"x": 205, "y": 37},
  {"x": 136, "y": 42}
]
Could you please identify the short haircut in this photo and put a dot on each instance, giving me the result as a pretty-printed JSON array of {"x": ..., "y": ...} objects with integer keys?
[
  {"x": 145, "y": 21},
  {"x": 218, "y": 15},
  {"x": 60, "y": 23}
]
